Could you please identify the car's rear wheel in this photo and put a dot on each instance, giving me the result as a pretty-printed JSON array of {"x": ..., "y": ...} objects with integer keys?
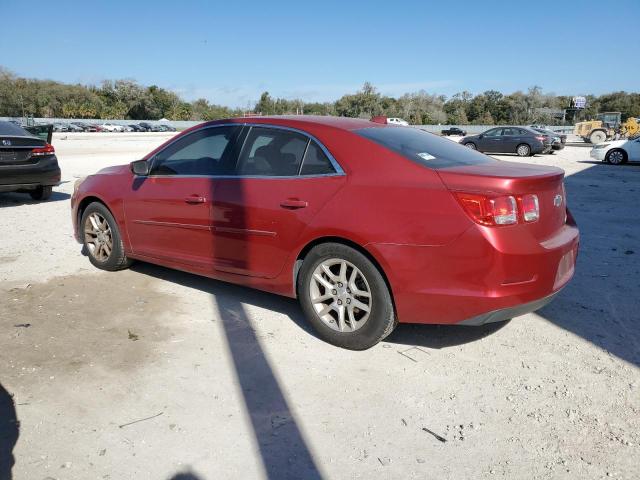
[
  {"x": 471, "y": 145},
  {"x": 523, "y": 150},
  {"x": 616, "y": 157},
  {"x": 41, "y": 193},
  {"x": 345, "y": 297},
  {"x": 102, "y": 240}
]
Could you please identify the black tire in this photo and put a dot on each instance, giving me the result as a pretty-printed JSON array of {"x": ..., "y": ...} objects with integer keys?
[
  {"x": 42, "y": 193},
  {"x": 470, "y": 145},
  {"x": 616, "y": 156},
  {"x": 116, "y": 260},
  {"x": 382, "y": 318},
  {"x": 523, "y": 150}
]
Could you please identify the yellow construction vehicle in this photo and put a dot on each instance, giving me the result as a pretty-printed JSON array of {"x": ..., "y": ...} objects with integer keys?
[
  {"x": 603, "y": 128},
  {"x": 630, "y": 128}
]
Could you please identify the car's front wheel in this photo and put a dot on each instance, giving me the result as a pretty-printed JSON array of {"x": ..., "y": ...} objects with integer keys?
[
  {"x": 616, "y": 157},
  {"x": 345, "y": 297},
  {"x": 102, "y": 240},
  {"x": 470, "y": 145}
]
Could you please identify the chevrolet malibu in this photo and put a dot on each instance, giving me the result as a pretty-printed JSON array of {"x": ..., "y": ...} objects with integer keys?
[{"x": 367, "y": 224}]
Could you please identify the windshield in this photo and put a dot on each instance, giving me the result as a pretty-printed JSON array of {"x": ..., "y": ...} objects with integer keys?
[{"x": 424, "y": 148}]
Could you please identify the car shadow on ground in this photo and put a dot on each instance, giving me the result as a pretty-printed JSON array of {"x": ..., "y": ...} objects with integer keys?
[
  {"x": 14, "y": 199},
  {"x": 9, "y": 432},
  {"x": 186, "y": 476},
  {"x": 441, "y": 336},
  {"x": 600, "y": 304},
  {"x": 283, "y": 449},
  {"x": 236, "y": 293}
]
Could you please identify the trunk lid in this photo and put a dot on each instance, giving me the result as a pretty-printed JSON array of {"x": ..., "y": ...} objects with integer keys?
[
  {"x": 16, "y": 150},
  {"x": 517, "y": 179}
]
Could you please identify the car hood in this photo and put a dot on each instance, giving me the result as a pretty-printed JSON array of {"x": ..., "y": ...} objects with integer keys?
[
  {"x": 614, "y": 144},
  {"x": 114, "y": 170}
]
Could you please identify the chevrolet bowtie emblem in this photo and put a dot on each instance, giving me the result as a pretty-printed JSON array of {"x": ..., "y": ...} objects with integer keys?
[{"x": 557, "y": 200}]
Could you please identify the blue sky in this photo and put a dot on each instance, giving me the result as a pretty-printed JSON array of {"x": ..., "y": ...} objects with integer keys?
[{"x": 229, "y": 52}]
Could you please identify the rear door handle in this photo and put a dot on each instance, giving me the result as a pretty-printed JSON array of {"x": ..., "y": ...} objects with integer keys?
[
  {"x": 293, "y": 204},
  {"x": 195, "y": 199}
]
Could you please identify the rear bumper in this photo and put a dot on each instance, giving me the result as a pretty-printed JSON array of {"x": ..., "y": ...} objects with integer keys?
[
  {"x": 598, "y": 153},
  {"x": 509, "y": 312},
  {"x": 25, "y": 177},
  {"x": 477, "y": 279}
]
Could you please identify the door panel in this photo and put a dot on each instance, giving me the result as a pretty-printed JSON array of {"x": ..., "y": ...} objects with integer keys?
[
  {"x": 257, "y": 221},
  {"x": 491, "y": 141},
  {"x": 169, "y": 212},
  {"x": 170, "y": 218}
]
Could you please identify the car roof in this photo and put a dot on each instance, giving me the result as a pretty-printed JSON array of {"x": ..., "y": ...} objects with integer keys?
[{"x": 342, "y": 123}]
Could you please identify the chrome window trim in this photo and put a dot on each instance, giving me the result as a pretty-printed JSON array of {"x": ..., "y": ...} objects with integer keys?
[{"x": 338, "y": 169}]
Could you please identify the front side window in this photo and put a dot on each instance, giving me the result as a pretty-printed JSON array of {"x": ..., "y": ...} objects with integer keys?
[
  {"x": 272, "y": 152},
  {"x": 204, "y": 152},
  {"x": 496, "y": 132}
]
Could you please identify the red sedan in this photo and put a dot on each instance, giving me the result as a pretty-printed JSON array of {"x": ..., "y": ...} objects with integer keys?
[{"x": 367, "y": 224}]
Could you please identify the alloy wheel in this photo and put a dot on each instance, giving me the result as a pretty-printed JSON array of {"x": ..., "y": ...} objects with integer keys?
[
  {"x": 616, "y": 157},
  {"x": 98, "y": 237},
  {"x": 340, "y": 295}
]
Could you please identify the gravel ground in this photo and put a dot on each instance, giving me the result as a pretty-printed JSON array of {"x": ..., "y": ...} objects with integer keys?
[{"x": 155, "y": 374}]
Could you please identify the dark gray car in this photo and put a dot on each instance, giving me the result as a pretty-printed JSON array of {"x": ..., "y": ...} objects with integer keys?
[{"x": 522, "y": 141}]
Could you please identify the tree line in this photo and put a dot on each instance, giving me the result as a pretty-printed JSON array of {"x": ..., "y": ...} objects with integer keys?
[{"x": 126, "y": 99}]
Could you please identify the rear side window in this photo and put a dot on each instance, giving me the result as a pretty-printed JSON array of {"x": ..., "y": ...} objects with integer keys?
[
  {"x": 425, "y": 148},
  {"x": 316, "y": 162},
  {"x": 272, "y": 152}
]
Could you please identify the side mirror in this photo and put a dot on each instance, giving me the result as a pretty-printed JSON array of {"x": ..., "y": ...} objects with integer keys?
[
  {"x": 140, "y": 167},
  {"x": 481, "y": 136}
]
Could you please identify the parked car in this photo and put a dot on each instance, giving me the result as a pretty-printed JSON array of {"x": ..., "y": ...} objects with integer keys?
[
  {"x": 406, "y": 227},
  {"x": 558, "y": 140},
  {"x": 74, "y": 128},
  {"x": 27, "y": 163},
  {"x": 453, "y": 131},
  {"x": 136, "y": 128},
  {"x": 85, "y": 127},
  {"x": 147, "y": 126},
  {"x": 126, "y": 128},
  {"x": 111, "y": 127},
  {"x": 618, "y": 152},
  {"x": 520, "y": 140},
  {"x": 60, "y": 127}
]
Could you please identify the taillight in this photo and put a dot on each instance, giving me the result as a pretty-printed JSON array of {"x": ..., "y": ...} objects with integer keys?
[
  {"x": 541, "y": 138},
  {"x": 490, "y": 211},
  {"x": 530, "y": 208},
  {"x": 46, "y": 150}
]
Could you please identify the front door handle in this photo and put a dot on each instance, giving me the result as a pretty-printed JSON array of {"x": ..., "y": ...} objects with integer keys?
[
  {"x": 293, "y": 204},
  {"x": 193, "y": 199}
]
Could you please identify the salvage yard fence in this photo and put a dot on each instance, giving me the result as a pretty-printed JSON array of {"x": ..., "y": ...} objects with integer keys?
[{"x": 184, "y": 124}]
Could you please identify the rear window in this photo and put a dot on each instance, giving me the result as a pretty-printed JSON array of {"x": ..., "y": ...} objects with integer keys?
[
  {"x": 8, "y": 128},
  {"x": 424, "y": 148}
]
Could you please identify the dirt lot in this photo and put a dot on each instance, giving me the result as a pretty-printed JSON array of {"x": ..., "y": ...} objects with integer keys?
[{"x": 155, "y": 374}]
